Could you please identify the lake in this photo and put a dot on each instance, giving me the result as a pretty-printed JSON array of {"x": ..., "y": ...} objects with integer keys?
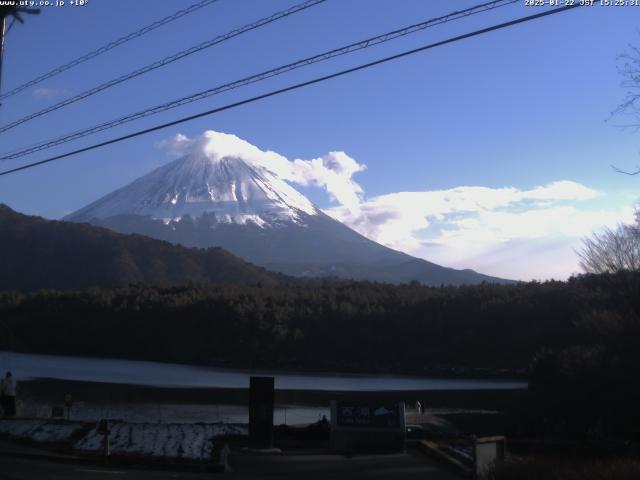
[{"x": 31, "y": 366}]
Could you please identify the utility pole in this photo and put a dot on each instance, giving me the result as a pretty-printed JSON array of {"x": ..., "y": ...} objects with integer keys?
[
  {"x": 6, "y": 12},
  {"x": 3, "y": 28}
]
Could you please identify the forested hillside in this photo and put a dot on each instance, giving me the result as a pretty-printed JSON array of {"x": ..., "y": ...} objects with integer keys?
[
  {"x": 36, "y": 253},
  {"x": 484, "y": 329}
]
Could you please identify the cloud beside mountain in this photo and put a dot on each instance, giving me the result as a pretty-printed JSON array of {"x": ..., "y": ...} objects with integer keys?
[{"x": 507, "y": 232}]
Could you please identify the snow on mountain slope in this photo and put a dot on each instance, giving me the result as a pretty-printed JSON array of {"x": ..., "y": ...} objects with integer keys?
[{"x": 233, "y": 188}]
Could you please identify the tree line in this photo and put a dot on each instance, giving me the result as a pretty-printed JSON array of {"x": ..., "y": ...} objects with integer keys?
[{"x": 318, "y": 325}]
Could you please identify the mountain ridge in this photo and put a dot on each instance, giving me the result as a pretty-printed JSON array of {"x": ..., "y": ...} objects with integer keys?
[{"x": 50, "y": 254}]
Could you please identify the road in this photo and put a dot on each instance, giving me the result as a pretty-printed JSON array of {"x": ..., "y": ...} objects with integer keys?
[
  {"x": 413, "y": 465},
  {"x": 22, "y": 469},
  {"x": 410, "y": 466}
]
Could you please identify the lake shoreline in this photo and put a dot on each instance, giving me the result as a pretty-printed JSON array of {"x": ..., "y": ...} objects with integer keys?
[
  {"x": 167, "y": 375},
  {"x": 54, "y": 390},
  {"x": 337, "y": 369}
]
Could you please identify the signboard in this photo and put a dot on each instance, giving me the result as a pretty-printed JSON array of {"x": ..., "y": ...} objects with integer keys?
[
  {"x": 368, "y": 425},
  {"x": 369, "y": 415}
]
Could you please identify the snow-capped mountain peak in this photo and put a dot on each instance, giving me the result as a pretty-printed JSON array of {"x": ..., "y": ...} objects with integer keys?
[{"x": 233, "y": 188}]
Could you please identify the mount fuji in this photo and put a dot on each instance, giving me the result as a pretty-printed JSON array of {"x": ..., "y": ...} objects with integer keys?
[{"x": 223, "y": 192}]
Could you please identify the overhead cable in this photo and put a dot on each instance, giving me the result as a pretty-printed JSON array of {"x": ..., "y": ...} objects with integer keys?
[
  {"x": 360, "y": 45},
  {"x": 295, "y": 87},
  {"x": 164, "y": 62},
  {"x": 109, "y": 46}
]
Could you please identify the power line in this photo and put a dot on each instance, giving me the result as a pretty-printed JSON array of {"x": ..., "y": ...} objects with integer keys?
[
  {"x": 166, "y": 61},
  {"x": 295, "y": 86},
  {"x": 363, "y": 44},
  {"x": 109, "y": 46},
  {"x": 258, "y": 77}
]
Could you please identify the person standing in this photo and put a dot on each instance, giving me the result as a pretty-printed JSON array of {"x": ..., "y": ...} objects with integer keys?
[{"x": 9, "y": 395}]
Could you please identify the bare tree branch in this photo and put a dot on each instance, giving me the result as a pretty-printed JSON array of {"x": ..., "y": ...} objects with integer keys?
[
  {"x": 629, "y": 71},
  {"x": 616, "y": 169},
  {"x": 612, "y": 251}
]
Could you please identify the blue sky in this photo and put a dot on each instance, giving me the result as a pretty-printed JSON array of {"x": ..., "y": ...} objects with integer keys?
[{"x": 508, "y": 129}]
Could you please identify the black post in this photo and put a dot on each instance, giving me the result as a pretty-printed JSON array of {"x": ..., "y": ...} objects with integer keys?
[
  {"x": 261, "y": 400},
  {"x": 103, "y": 427}
]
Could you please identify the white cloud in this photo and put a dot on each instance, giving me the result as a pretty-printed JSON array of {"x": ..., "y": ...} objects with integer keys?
[
  {"x": 500, "y": 231},
  {"x": 508, "y": 232},
  {"x": 537, "y": 243},
  {"x": 176, "y": 146},
  {"x": 393, "y": 219},
  {"x": 49, "y": 93},
  {"x": 334, "y": 173}
]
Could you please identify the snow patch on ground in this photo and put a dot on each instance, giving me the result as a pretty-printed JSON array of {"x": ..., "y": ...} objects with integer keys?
[
  {"x": 42, "y": 431},
  {"x": 188, "y": 441},
  {"x": 174, "y": 440}
]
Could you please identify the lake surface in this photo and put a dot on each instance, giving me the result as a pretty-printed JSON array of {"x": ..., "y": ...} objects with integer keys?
[
  {"x": 32, "y": 366},
  {"x": 200, "y": 413}
]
